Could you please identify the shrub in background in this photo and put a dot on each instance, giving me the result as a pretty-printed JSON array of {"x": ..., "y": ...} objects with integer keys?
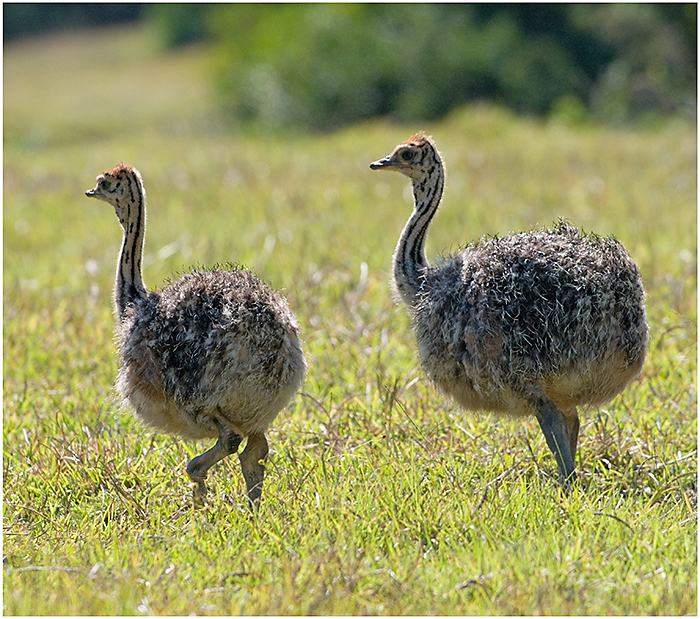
[
  {"x": 653, "y": 69},
  {"x": 322, "y": 66},
  {"x": 325, "y": 65},
  {"x": 178, "y": 24}
]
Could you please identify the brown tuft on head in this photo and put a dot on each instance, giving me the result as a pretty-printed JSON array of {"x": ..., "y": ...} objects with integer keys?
[
  {"x": 120, "y": 168},
  {"x": 124, "y": 171},
  {"x": 417, "y": 139}
]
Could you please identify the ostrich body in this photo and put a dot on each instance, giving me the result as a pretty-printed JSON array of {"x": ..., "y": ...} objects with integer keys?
[
  {"x": 215, "y": 354},
  {"x": 537, "y": 323}
]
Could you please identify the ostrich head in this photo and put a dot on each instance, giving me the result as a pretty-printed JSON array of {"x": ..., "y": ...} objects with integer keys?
[
  {"x": 417, "y": 158},
  {"x": 121, "y": 187}
]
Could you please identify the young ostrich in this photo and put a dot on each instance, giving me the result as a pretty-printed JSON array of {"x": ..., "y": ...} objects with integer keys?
[
  {"x": 214, "y": 354},
  {"x": 536, "y": 323}
]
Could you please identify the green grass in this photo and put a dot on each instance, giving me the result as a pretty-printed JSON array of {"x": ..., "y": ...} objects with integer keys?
[{"x": 381, "y": 497}]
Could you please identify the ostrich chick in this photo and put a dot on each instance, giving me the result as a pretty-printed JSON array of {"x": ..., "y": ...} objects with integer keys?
[
  {"x": 537, "y": 323},
  {"x": 215, "y": 354}
]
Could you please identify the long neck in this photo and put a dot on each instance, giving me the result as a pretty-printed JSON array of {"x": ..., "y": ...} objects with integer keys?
[
  {"x": 129, "y": 286},
  {"x": 410, "y": 261}
]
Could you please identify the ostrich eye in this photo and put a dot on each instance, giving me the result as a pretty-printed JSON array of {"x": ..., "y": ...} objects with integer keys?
[
  {"x": 406, "y": 155},
  {"x": 103, "y": 184}
]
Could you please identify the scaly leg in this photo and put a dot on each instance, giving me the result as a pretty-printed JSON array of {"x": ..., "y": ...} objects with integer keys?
[
  {"x": 573, "y": 423},
  {"x": 253, "y": 468},
  {"x": 555, "y": 428},
  {"x": 198, "y": 467}
]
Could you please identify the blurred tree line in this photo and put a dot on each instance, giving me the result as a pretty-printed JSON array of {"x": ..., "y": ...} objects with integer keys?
[
  {"x": 325, "y": 65},
  {"x": 26, "y": 19}
]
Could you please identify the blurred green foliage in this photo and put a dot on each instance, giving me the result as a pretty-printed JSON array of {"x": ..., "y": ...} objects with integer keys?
[
  {"x": 178, "y": 24},
  {"x": 321, "y": 66},
  {"x": 325, "y": 65}
]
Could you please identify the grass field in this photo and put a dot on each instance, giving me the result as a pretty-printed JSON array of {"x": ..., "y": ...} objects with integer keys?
[{"x": 381, "y": 497}]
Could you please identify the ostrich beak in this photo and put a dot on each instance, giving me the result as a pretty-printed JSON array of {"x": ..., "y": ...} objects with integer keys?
[
  {"x": 94, "y": 193},
  {"x": 387, "y": 162}
]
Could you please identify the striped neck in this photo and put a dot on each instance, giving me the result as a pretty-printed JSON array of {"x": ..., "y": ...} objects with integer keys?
[
  {"x": 410, "y": 261},
  {"x": 129, "y": 286}
]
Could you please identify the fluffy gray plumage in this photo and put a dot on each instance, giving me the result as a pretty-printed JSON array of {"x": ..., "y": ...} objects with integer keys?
[
  {"x": 212, "y": 343},
  {"x": 551, "y": 306}
]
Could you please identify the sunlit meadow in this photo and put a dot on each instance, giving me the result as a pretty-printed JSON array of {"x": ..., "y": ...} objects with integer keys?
[{"x": 380, "y": 497}]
